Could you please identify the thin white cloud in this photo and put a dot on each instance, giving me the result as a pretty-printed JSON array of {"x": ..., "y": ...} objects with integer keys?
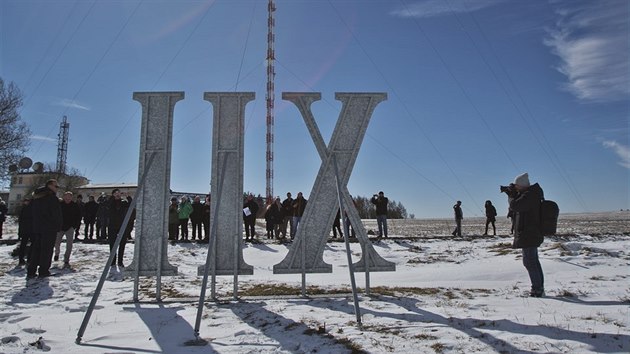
[
  {"x": 434, "y": 8},
  {"x": 591, "y": 39},
  {"x": 43, "y": 138},
  {"x": 621, "y": 150},
  {"x": 72, "y": 104}
]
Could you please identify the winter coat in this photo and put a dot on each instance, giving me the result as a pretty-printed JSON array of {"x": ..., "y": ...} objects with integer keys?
[
  {"x": 381, "y": 205},
  {"x": 287, "y": 205},
  {"x": 299, "y": 204},
  {"x": 253, "y": 209},
  {"x": 25, "y": 221},
  {"x": 173, "y": 215},
  {"x": 458, "y": 212},
  {"x": 4, "y": 210},
  {"x": 71, "y": 215},
  {"x": 205, "y": 217},
  {"x": 184, "y": 211},
  {"x": 117, "y": 211},
  {"x": 46, "y": 211},
  {"x": 91, "y": 208},
  {"x": 526, "y": 209},
  {"x": 491, "y": 213},
  {"x": 274, "y": 214},
  {"x": 197, "y": 212}
]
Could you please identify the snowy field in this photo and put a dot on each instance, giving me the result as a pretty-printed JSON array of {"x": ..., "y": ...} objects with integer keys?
[{"x": 448, "y": 295}]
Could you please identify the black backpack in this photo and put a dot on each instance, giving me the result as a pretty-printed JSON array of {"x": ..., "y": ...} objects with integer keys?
[{"x": 548, "y": 217}]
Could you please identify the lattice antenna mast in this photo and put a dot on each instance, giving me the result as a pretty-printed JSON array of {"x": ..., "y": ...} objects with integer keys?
[
  {"x": 271, "y": 8},
  {"x": 62, "y": 145}
]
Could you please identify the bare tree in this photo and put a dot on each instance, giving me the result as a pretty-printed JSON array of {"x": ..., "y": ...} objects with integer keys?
[{"x": 14, "y": 134}]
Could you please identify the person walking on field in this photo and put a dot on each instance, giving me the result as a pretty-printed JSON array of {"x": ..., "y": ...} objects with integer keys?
[
  {"x": 47, "y": 222},
  {"x": 491, "y": 217},
  {"x": 381, "y": 202},
  {"x": 337, "y": 225},
  {"x": 71, "y": 218},
  {"x": 459, "y": 215},
  {"x": 527, "y": 230}
]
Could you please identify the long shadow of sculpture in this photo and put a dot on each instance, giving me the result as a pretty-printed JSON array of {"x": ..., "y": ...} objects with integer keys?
[
  {"x": 598, "y": 342},
  {"x": 290, "y": 335}
]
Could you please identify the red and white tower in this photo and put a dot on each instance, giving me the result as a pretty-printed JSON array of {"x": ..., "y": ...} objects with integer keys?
[{"x": 271, "y": 8}]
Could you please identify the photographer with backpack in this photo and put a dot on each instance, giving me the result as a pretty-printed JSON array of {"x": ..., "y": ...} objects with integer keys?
[{"x": 527, "y": 229}]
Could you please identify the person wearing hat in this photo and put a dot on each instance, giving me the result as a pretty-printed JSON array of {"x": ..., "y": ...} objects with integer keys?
[
  {"x": 381, "y": 201},
  {"x": 173, "y": 219},
  {"x": 527, "y": 233}
]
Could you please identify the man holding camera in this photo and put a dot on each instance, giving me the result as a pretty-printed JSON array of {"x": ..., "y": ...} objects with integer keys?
[
  {"x": 527, "y": 229},
  {"x": 381, "y": 202}
]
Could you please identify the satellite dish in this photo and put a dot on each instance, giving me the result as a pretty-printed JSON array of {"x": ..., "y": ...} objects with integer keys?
[
  {"x": 38, "y": 167},
  {"x": 25, "y": 163},
  {"x": 13, "y": 168}
]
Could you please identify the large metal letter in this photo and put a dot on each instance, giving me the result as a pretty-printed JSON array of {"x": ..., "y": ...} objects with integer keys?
[
  {"x": 156, "y": 137},
  {"x": 305, "y": 254},
  {"x": 227, "y": 145}
]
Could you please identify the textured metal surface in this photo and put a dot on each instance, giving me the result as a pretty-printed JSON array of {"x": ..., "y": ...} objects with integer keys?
[
  {"x": 228, "y": 145},
  {"x": 150, "y": 251},
  {"x": 305, "y": 254}
]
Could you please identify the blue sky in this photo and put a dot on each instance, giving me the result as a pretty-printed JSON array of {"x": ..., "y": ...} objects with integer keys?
[{"x": 478, "y": 91}]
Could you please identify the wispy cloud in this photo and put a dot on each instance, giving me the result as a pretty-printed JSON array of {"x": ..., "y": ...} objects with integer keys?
[
  {"x": 434, "y": 8},
  {"x": 621, "y": 150},
  {"x": 591, "y": 39},
  {"x": 71, "y": 104},
  {"x": 43, "y": 138}
]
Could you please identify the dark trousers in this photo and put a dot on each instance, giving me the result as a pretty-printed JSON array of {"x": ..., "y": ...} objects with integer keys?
[
  {"x": 111, "y": 239},
  {"x": 532, "y": 264},
  {"x": 40, "y": 255},
  {"x": 183, "y": 224},
  {"x": 196, "y": 229},
  {"x": 101, "y": 228},
  {"x": 494, "y": 228},
  {"x": 22, "y": 251},
  {"x": 173, "y": 231},
  {"x": 206, "y": 229},
  {"x": 250, "y": 224},
  {"x": 89, "y": 227}
]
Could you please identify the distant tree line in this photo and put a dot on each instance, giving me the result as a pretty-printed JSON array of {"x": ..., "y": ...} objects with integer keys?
[{"x": 395, "y": 210}]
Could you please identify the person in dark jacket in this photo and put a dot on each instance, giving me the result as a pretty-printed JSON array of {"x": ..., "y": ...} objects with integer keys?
[
  {"x": 173, "y": 219},
  {"x": 381, "y": 203},
  {"x": 71, "y": 218},
  {"x": 47, "y": 222},
  {"x": 250, "y": 211},
  {"x": 89, "y": 217},
  {"x": 337, "y": 225},
  {"x": 132, "y": 219},
  {"x": 25, "y": 228},
  {"x": 102, "y": 217},
  {"x": 196, "y": 217},
  {"x": 491, "y": 217},
  {"x": 81, "y": 205},
  {"x": 117, "y": 211},
  {"x": 287, "y": 206},
  {"x": 299, "y": 205},
  {"x": 459, "y": 215},
  {"x": 4, "y": 210},
  {"x": 527, "y": 234},
  {"x": 205, "y": 218}
]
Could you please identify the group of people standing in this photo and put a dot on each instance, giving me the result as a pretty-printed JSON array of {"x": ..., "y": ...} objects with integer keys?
[
  {"x": 181, "y": 211},
  {"x": 45, "y": 220},
  {"x": 278, "y": 216}
]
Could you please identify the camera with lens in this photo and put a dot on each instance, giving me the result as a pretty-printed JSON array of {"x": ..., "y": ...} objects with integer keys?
[{"x": 510, "y": 190}]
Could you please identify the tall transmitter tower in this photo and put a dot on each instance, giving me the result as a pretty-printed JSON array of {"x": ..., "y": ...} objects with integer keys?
[
  {"x": 271, "y": 8},
  {"x": 62, "y": 145}
]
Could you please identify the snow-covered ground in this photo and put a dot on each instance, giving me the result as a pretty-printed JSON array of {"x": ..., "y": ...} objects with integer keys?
[{"x": 447, "y": 295}]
